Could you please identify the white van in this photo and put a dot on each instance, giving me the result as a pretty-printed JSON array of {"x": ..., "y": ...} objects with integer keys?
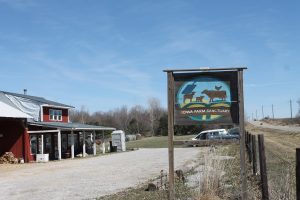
[{"x": 211, "y": 134}]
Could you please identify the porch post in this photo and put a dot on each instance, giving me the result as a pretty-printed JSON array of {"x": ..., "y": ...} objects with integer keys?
[
  {"x": 59, "y": 144},
  {"x": 42, "y": 142},
  {"x": 83, "y": 144},
  {"x": 72, "y": 144},
  {"x": 94, "y": 143}
]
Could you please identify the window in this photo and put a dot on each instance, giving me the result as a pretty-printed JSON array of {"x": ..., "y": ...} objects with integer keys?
[{"x": 55, "y": 115}]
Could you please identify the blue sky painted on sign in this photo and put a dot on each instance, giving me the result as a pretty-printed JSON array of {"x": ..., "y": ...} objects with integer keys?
[
  {"x": 202, "y": 84},
  {"x": 108, "y": 53}
]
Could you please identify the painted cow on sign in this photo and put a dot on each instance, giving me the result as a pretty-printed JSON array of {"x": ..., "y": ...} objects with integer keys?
[{"x": 212, "y": 94}]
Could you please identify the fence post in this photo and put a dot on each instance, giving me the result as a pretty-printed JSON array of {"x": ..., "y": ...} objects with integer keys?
[
  {"x": 250, "y": 148},
  {"x": 263, "y": 167},
  {"x": 298, "y": 173},
  {"x": 254, "y": 164},
  {"x": 246, "y": 139}
]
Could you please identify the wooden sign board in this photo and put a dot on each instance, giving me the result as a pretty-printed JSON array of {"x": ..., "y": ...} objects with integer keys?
[{"x": 204, "y": 98}]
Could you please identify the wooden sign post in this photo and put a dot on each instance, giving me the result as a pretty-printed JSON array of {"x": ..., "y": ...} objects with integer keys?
[
  {"x": 171, "y": 135},
  {"x": 242, "y": 134},
  {"x": 205, "y": 96}
]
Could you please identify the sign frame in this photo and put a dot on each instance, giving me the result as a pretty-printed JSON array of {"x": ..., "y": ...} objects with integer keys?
[{"x": 171, "y": 109}]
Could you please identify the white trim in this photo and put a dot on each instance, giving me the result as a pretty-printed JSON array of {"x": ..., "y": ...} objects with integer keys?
[
  {"x": 74, "y": 129},
  {"x": 44, "y": 131},
  {"x": 72, "y": 145},
  {"x": 94, "y": 143},
  {"x": 83, "y": 144},
  {"x": 59, "y": 144},
  {"x": 42, "y": 146},
  {"x": 55, "y": 115},
  {"x": 68, "y": 115},
  {"x": 53, "y": 106},
  {"x": 96, "y": 129},
  {"x": 42, "y": 113}
]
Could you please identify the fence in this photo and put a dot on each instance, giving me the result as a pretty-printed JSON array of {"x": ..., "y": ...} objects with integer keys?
[{"x": 277, "y": 173}]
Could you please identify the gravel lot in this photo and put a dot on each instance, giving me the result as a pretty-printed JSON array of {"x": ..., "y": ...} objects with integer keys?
[{"x": 87, "y": 178}]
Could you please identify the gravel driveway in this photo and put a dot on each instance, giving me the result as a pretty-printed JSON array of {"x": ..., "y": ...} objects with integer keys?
[
  {"x": 282, "y": 128},
  {"x": 87, "y": 178}
]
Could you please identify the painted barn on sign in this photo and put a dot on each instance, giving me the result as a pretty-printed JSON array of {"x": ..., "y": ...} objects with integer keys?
[{"x": 31, "y": 126}]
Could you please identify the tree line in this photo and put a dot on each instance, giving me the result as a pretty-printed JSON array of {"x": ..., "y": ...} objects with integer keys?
[
  {"x": 150, "y": 121},
  {"x": 298, "y": 114}
]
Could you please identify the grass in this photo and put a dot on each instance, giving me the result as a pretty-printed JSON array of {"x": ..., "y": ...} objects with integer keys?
[{"x": 155, "y": 142}]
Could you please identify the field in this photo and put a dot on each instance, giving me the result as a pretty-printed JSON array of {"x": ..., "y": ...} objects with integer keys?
[
  {"x": 280, "y": 148},
  {"x": 155, "y": 142}
]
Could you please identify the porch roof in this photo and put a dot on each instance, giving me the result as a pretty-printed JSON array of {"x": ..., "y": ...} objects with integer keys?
[{"x": 70, "y": 126}]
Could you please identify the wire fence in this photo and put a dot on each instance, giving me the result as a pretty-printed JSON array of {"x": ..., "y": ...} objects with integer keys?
[
  {"x": 281, "y": 176},
  {"x": 276, "y": 169}
]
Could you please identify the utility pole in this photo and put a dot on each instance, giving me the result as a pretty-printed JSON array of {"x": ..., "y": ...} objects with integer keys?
[
  {"x": 273, "y": 111},
  {"x": 262, "y": 111},
  {"x": 291, "y": 108},
  {"x": 256, "y": 114}
]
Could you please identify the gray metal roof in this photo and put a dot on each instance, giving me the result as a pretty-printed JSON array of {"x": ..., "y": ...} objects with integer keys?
[
  {"x": 69, "y": 126},
  {"x": 11, "y": 112},
  {"x": 38, "y": 99}
]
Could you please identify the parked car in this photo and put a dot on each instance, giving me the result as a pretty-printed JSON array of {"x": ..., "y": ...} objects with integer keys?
[
  {"x": 211, "y": 134},
  {"x": 218, "y": 134},
  {"x": 234, "y": 133}
]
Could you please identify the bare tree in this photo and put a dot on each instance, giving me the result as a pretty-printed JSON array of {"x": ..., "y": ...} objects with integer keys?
[
  {"x": 81, "y": 116},
  {"x": 298, "y": 114},
  {"x": 155, "y": 112},
  {"x": 139, "y": 119},
  {"x": 122, "y": 117},
  {"x": 136, "y": 120}
]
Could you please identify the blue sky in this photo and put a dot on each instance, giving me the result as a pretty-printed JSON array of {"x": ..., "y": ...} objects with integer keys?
[{"x": 105, "y": 54}]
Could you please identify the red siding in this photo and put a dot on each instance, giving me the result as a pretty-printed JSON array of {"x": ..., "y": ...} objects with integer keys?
[
  {"x": 46, "y": 116},
  {"x": 27, "y": 154},
  {"x": 13, "y": 137}
]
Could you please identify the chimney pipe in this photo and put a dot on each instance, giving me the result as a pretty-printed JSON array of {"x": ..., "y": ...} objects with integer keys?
[{"x": 25, "y": 91}]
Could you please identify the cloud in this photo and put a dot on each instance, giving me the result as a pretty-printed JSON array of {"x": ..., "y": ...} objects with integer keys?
[{"x": 118, "y": 75}]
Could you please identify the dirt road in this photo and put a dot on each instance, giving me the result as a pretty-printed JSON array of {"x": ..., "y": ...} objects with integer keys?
[
  {"x": 280, "y": 140},
  {"x": 87, "y": 178},
  {"x": 277, "y": 127}
]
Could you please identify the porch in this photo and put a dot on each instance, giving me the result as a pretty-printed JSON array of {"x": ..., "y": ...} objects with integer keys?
[{"x": 63, "y": 140}]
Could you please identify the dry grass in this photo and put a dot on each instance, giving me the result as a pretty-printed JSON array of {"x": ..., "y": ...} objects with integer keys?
[
  {"x": 218, "y": 179},
  {"x": 280, "y": 149},
  {"x": 211, "y": 185}
]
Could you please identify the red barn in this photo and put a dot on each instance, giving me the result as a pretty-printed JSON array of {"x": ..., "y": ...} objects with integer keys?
[{"x": 31, "y": 125}]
